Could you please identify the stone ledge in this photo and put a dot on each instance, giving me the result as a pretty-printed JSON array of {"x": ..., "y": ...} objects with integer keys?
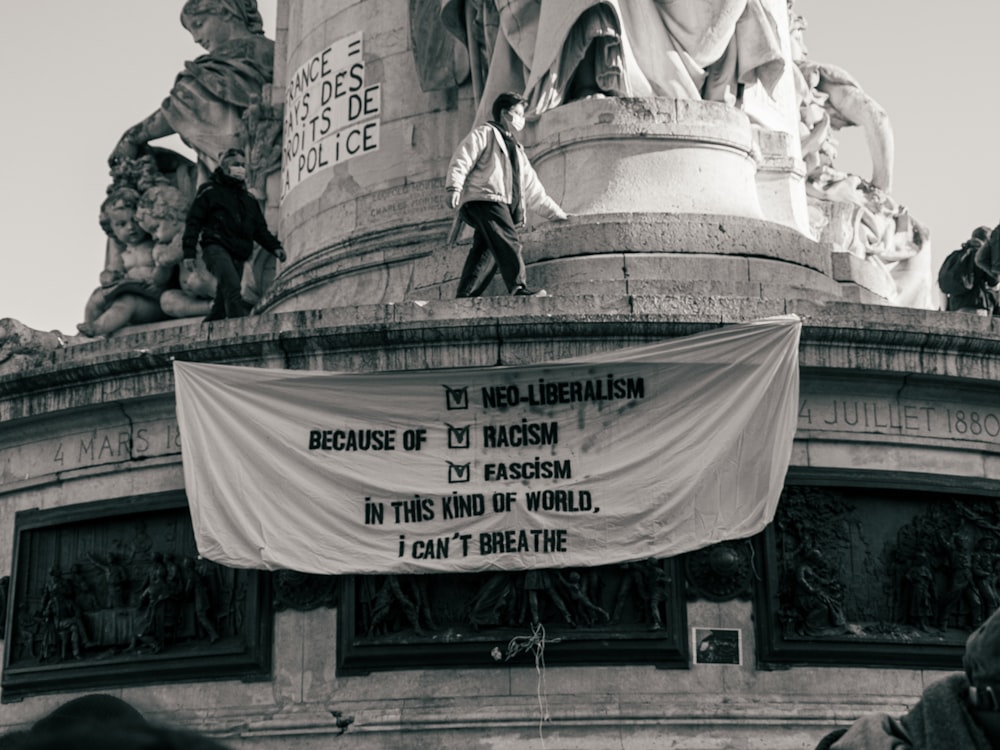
[
  {"x": 499, "y": 330},
  {"x": 708, "y": 234}
]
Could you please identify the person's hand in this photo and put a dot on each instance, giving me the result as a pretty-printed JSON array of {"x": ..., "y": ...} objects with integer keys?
[
  {"x": 454, "y": 198},
  {"x": 189, "y": 265},
  {"x": 280, "y": 254}
]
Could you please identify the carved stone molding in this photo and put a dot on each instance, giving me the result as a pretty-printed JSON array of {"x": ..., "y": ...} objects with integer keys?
[{"x": 721, "y": 572}]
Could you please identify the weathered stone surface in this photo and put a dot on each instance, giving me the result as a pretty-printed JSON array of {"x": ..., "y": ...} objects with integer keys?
[{"x": 23, "y": 348}]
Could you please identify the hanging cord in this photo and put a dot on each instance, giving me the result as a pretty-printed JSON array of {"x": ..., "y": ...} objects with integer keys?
[{"x": 536, "y": 644}]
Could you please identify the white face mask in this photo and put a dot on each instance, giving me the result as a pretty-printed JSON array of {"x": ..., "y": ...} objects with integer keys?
[{"x": 516, "y": 122}]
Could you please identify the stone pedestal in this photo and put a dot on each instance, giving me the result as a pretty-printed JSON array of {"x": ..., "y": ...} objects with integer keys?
[
  {"x": 611, "y": 155},
  {"x": 667, "y": 197}
]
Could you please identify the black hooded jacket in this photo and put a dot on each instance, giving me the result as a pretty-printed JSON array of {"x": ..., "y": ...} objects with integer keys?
[{"x": 224, "y": 213}]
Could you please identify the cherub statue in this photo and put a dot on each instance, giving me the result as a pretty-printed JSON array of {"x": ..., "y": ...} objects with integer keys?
[
  {"x": 188, "y": 290},
  {"x": 128, "y": 293}
]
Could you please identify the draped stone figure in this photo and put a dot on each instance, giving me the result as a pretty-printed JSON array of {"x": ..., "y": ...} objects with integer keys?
[
  {"x": 556, "y": 52},
  {"x": 217, "y": 103},
  {"x": 206, "y": 104}
]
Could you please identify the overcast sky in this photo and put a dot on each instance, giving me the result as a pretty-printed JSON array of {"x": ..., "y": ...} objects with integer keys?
[{"x": 75, "y": 75}]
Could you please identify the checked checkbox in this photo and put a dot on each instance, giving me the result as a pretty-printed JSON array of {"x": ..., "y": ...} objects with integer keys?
[
  {"x": 459, "y": 473},
  {"x": 458, "y": 437},
  {"x": 456, "y": 398}
]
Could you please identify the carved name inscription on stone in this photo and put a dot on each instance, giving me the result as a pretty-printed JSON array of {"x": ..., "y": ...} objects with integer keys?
[{"x": 410, "y": 203}]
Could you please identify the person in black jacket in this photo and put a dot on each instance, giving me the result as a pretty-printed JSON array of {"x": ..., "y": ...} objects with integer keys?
[
  {"x": 969, "y": 287},
  {"x": 227, "y": 220}
]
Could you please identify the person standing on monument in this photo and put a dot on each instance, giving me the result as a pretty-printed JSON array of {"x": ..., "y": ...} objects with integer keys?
[
  {"x": 491, "y": 181},
  {"x": 226, "y": 219}
]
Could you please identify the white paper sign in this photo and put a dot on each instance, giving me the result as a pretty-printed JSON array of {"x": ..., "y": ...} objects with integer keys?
[{"x": 331, "y": 114}]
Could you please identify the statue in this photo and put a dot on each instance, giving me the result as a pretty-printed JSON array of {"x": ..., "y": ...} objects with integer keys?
[
  {"x": 495, "y": 602},
  {"x": 963, "y": 585},
  {"x": 115, "y": 577},
  {"x": 819, "y": 597},
  {"x": 156, "y": 623},
  {"x": 414, "y": 603},
  {"x": 988, "y": 259},
  {"x": 555, "y": 52},
  {"x": 128, "y": 293},
  {"x": 544, "y": 581},
  {"x": 882, "y": 229},
  {"x": 585, "y": 608},
  {"x": 62, "y": 620},
  {"x": 83, "y": 591},
  {"x": 215, "y": 105},
  {"x": 162, "y": 212},
  {"x": 200, "y": 590},
  {"x": 208, "y": 99},
  {"x": 984, "y": 561},
  {"x": 919, "y": 593}
]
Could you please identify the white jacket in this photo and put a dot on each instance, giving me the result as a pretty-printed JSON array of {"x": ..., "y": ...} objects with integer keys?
[{"x": 480, "y": 170}]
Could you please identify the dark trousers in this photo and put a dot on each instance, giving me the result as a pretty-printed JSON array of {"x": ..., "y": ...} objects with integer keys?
[
  {"x": 228, "y": 272},
  {"x": 494, "y": 245}
]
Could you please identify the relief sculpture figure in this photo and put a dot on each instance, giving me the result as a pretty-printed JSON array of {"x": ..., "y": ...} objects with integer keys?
[
  {"x": 819, "y": 597},
  {"x": 919, "y": 596},
  {"x": 962, "y": 588},
  {"x": 127, "y": 293}
]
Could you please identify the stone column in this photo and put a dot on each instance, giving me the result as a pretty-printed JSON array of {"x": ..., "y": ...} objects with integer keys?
[{"x": 365, "y": 220}]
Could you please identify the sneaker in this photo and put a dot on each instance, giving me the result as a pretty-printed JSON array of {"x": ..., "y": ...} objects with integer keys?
[{"x": 523, "y": 291}]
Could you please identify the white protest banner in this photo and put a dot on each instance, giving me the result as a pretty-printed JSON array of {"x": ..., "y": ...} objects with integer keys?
[
  {"x": 644, "y": 452},
  {"x": 330, "y": 114}
]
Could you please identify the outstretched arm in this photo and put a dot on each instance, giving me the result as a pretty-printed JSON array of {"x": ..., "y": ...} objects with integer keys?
[
  {"x": 153, "y": 127},
  {"x": 850, "y": 105}
]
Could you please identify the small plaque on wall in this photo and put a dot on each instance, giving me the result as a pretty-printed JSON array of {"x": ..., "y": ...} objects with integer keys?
[
  {"x": 114, "y": 593},
  {"x": 717, "y": 645}
]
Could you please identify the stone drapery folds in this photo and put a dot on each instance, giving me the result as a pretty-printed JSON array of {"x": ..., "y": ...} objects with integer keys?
[{"x": 558, "y": 52}]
